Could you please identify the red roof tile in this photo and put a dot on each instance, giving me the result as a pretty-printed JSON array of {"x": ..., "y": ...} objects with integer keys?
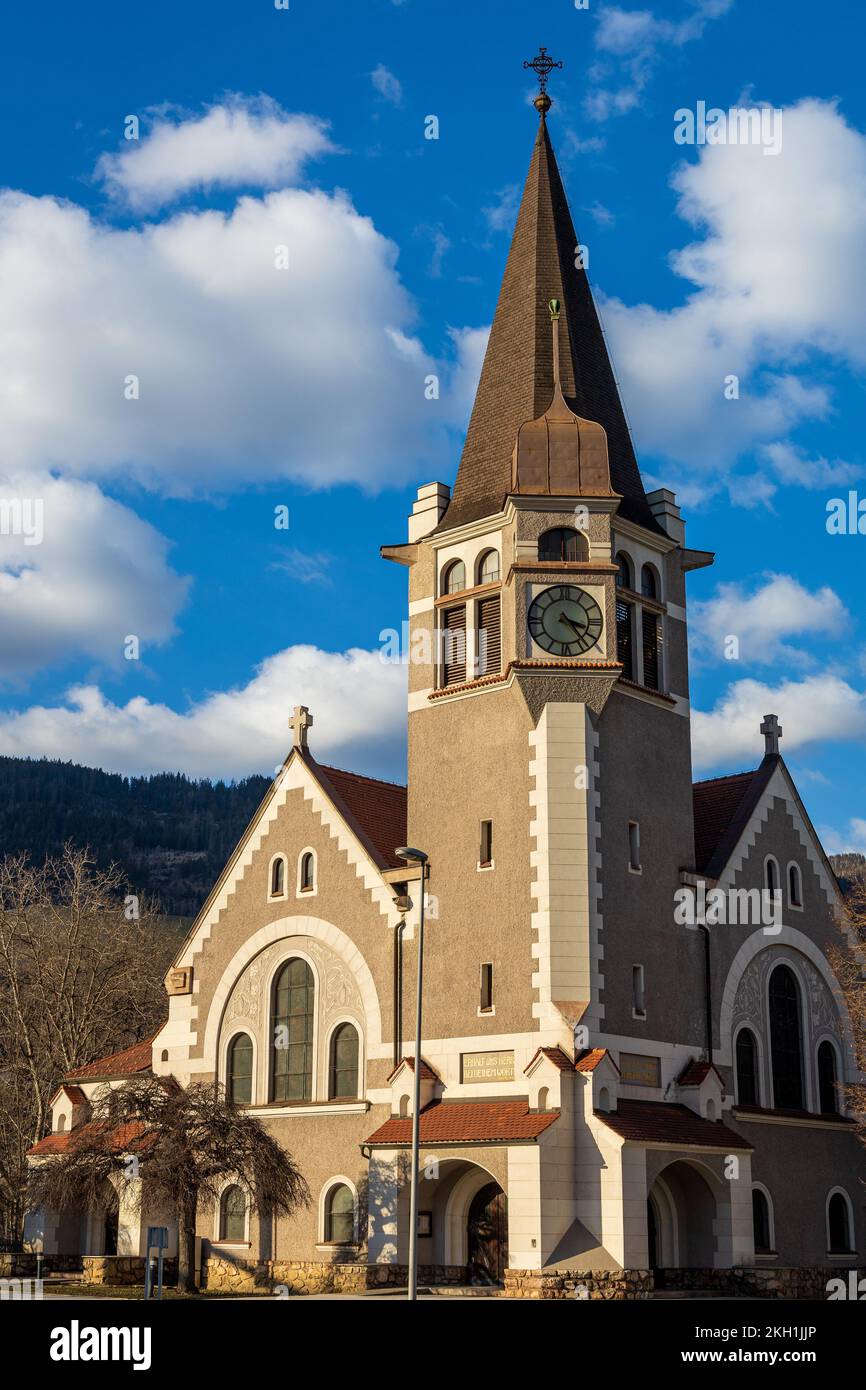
[
  {"x": 657, "y": 1122},
  {"x": 715, "y": 804},
  {"x": 427, "y": 1072},
  {"x": 74, "y": 1093},
  {"x": 376, "y": 810},
  {"x": 126, "y": 1063},
  {"x": 123, "y": 1136},
  {"x": 696, "y": 1071},
  {"x": 554, "y": 1055},
  {"x": 467, "y": 1122},
  {"x": 588, "y": 1061}
]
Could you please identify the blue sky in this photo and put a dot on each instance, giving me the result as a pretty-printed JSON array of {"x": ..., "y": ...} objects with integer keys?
[{"x": 302, "y": 387}]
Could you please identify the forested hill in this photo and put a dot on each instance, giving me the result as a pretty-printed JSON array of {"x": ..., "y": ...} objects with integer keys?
[{"x": 170, "y": 834}]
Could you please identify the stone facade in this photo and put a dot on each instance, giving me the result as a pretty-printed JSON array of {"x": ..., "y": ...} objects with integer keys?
[
  {"x": 123, "y": 1269},
  {"x": 316, "y": 1276},
  {"x": 614, "y": 1286}
]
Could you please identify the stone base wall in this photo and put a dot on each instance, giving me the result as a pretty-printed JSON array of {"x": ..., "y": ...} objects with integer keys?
[
  {"x": 316, "y": 1276},
  {"x": 22, "y": 1264},
  {"x": 123, "y": 1269},
  {"x": 625, "y": 1284},
  {"x": 758, "y": 1282}
]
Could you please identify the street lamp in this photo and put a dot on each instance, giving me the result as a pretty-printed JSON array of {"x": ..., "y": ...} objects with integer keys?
[{"x": 416, "y": 856}]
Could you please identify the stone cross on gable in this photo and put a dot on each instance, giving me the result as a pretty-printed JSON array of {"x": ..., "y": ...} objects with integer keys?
[
  {"x": 772, "y": 731},
  {"x": 299, "y": 723}
]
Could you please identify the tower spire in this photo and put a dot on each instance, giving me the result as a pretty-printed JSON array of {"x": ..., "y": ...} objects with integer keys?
[{"x": 544, "y": 262}]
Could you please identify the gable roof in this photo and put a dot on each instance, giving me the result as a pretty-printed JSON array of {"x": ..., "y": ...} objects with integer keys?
[
  {"x": 516, "y": 382},
  {"x": 136, "y": 1058},
  {"x": 560, "y": 1060},
  {"x": 375, "y": 810},
  {"x": 73, "y": 1093},
  {"x": 467, "y": 1122},
  {"x": 119, "y": 1140},
  {"x": 722, "y": 808},
  {"x": 658, "y": 1122},
  {"x": 592, "y": 1058},
  {"x": 427, "y": 1072},
  {"x": 696, "y": 1071}
]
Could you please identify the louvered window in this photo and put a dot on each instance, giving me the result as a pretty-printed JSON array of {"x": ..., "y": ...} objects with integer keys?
[
  {"x": 489, "y": 637},
  {"x": 624, "y": 652},
  {"x": 651, "y": 646},
  {"x": 454, "y": 645}
]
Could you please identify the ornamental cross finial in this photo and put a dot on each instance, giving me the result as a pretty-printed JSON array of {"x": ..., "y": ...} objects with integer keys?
[
  {"x": 542, "y": 65},
  {"x": 772, "y": 731},
  {"x": 299, "y": 723}
]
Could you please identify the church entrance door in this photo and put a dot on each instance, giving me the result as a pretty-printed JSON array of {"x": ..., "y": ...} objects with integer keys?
[{"x": 488, "y": 1235}]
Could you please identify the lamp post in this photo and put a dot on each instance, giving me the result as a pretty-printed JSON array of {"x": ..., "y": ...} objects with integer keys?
[{"x": 416, "y": 856}]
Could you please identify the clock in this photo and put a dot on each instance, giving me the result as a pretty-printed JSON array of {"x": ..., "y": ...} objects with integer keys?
[{"x": 565, "y": 620}]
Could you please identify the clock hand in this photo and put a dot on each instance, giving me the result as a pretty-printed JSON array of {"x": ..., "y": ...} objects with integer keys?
[{"x": 573, "y": 626}]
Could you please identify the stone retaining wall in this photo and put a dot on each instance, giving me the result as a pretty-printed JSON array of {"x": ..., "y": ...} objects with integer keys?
[
  {"x": 758, "y": 1282},
  {"x": 316, "y": 1276},
  {"x": 122, "y": 1269},
  {"x": 625, "y": 1284},
  {"x": 21, "y": 1264}
]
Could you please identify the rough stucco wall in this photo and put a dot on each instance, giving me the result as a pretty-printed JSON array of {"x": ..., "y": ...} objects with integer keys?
[
  {"x": 468, "y": 762},
  {"x": 645, "y": 775}
]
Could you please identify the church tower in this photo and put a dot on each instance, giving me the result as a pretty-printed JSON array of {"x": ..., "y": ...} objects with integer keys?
[{"x": 549, "y": 753}]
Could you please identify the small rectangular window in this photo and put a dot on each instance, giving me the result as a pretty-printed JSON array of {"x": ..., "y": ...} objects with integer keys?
[
  {"x": 652, "y": 641},
  {"x": 485, "y": 852},
  {"x": 634, "y": 846},
  {"x": 454, "y": 646},
  {"x": 486, "y": 1005},
  {"x": 638, "y": 1000}
]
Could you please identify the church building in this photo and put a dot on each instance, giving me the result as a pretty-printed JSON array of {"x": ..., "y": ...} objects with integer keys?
[{"x": 618, "y": 1084}]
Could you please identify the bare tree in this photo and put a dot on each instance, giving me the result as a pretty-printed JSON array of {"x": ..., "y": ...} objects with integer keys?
[
  {"x": 81, "y": 975},
  {"x": 187, "y": 1143},
  {"x": 848, "y": 960}
]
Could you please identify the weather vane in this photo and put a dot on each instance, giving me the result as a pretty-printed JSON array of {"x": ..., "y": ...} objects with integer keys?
[{"x": 542, "y": 65}]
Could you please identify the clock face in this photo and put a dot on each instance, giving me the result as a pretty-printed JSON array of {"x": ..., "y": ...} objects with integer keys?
[{"x": 565, "y": 620}]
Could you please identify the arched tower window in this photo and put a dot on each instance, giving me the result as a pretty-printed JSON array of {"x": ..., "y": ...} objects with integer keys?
[
  {"x": 747, "y": 1068},
  {"x": 828, "y": 1100},
  {"x": 624, "y": 619},
  {"x": 239, "y": 1069},
  {"x": 233, "y": 1215},
  {"x": 488, "y": 567},
  {"x": 786, "y": 1044},
  {"x": 454, "y": 578},
  {"x": 771, "y": 875},
  {"x": 562, "y": 543},
  {"x": 795, "y": 885},
  {"x": 343, "y": 1073},
  {"x": 292, "y": 1033},
  {"x": 649, "y": 584}
]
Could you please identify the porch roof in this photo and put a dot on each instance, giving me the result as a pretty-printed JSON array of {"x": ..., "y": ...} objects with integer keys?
[
  {"x": 659, "y": 1122},
  {"x": 467, "y": 1122}
]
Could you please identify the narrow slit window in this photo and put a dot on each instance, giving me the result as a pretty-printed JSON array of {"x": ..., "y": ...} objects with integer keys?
[
  {"x": 487, "y": 988},
  {"x": 454, "y": 646},
  {"x": 638, "y": 996},
  {"x": 651, "y": 633},
  {"x": 485, "y": 853},
  {"x": 634, "y": 846}
]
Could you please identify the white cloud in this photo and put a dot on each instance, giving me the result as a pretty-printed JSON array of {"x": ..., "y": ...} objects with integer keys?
[
  {"x": 357, "y": 700},
  {"x": 388, "y": 86},
  {"x": 762, "y": 620},
  {"x": 777, "y": 274},
  {"x": 307, "y": 568},
  {"x": 851, "y": 840},
  {"x": 631, "y": 44},
  {"x": 791, "y": 465},
  {"x": 816, "y": 709},
  {"x": 246, "y": 371},
  {"x": 240, "y": 143},
  {"x": 502, "y": 214},
  {"x": 99, "y": 575}
]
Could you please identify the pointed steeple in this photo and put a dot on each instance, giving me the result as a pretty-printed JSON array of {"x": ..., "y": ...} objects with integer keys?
[{"x": 518, "y": 373}]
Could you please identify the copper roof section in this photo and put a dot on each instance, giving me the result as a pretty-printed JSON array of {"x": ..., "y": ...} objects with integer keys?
[
  {"x": 517, "y": 376},
  {"x": 467, "y": 1122}
]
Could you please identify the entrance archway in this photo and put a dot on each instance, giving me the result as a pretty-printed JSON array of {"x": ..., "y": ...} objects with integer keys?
[
  {"x": 487, "y": 1235},
  {"x": 681, "y": 1219}
]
